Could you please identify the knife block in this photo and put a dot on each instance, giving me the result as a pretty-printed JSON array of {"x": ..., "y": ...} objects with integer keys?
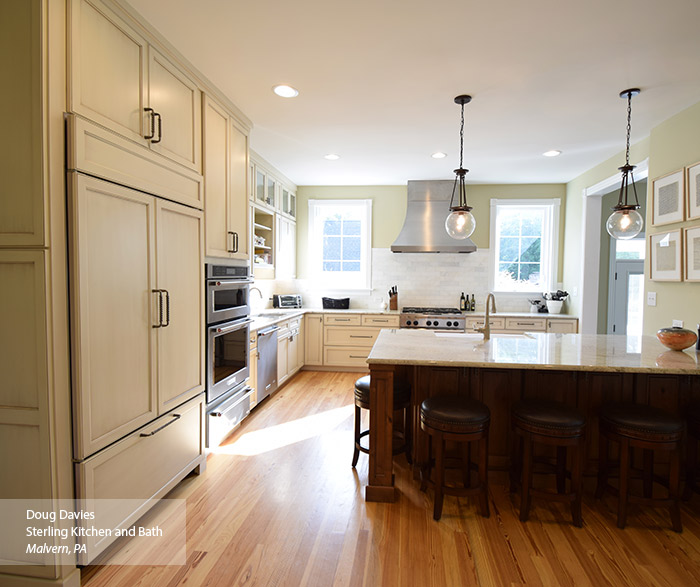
[{"x": 394, "y": 302}]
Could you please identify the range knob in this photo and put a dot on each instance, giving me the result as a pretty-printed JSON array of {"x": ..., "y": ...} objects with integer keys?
[
  {"x": 428, "y": 323},
  {"x": 415, "y": 323},
  {"x": 435, "y": 323},
  {"x": 408, "y": 322},
  {"x": 449, "y": 323}
]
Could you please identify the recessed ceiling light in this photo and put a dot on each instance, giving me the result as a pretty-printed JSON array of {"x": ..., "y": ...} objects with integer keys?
[
  {"x": 285, "y": 91},
  {"x": 439, "y": 155},
  {"x": 552, "y": 153},
  {"x": 331, "y": 157}
]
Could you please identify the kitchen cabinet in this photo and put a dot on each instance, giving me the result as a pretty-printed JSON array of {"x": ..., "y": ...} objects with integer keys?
[
  {"x": 138, "y": 309},
  {"x": 265, "y": 188},
  {"x": 253, "y": 368},
  {"x": 288, "y": 202},
  {"x": 263, "y": 222},
  {"x": 348, "y": 338},
  {"x": 313, "y": 343},
  {"x": 225, "y": 183},
  {"x": 285, "y": 264},
  {"x": 123, "y": 83},
  {"x": 289, "y": 348},
  {"x": 562, "y": 325}
]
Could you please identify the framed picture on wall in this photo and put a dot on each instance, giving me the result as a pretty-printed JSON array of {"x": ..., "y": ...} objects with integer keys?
[
  {"x": 665, "y": 256},
  {"x": 692, "y": 193},
  {"x": 667, "y": 199},
  {"x": 692, "y": 253}
]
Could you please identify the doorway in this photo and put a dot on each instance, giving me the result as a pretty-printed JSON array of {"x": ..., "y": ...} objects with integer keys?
[{"x": 626, "y": 292}]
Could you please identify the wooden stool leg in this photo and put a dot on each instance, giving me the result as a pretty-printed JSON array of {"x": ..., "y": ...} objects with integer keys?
[
  {"x": 526, "y": 481},
  {"x": 673, "y": 484},
  {"x": 577, "y": 483},
  {"x": 439, "y": 476},
  {"x": 516, "y": 461},
  {"x": 467, "y": 463},
  {"x": 356, "y": 453},
  {"x": 691, "y": 467},
  {"x": 648, "y": 472},
  {"x": 408, "y": 433},
  {"x": 624, "y": 483},
  {"x": 483, "y": 476},
  {"x": 561, "y": 469},
  {"x": 603, "y": 466},
  {"x": 427, "y": 466}
]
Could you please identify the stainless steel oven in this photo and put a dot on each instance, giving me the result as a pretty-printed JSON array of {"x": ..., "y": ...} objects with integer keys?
[
  {"x": 228, "y": 354},
  {"x": 227, "y": 292}
]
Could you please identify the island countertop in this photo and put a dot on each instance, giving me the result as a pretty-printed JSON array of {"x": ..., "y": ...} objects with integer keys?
[{"x": 533, "y": 350}]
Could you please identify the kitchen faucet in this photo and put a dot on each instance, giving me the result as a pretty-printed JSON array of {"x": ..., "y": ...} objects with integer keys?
[
  {"x": 258, "y": 290},
  {"x": 486, "y": 330}
]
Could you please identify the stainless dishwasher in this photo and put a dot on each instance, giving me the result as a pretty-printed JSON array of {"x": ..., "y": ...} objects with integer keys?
[{"x": 267, "y": 361}]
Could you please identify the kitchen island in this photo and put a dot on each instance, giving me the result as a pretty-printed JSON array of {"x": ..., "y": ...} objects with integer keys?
[{"x": 582, "y": 370}]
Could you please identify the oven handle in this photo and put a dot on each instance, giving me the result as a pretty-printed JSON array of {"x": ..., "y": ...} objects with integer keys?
[
  {"x": 231, "y": 282},
  {"x": 235, "y": 326},
  {"x": 267, "y": 331},
  {"x": 247, "y": 391}
]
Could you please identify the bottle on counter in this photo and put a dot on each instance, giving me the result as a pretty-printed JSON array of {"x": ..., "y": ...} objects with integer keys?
[
  {"x": 472, "y": 304},
  {"x": 697, "y": 344},
  {"x": 462, "y": 302}
]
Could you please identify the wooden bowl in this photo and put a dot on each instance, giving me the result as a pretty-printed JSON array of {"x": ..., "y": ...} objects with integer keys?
[{"x": 676, "y": 338}]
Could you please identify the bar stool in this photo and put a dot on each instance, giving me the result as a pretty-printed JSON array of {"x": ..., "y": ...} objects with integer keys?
[
  {"x": 402, "y": 401},
  {"x": 555, "y": 424},
  {"x": 462, "y": 420},
  {"x": 692, "y": 419},
  {"x": 640, "y": 426}
]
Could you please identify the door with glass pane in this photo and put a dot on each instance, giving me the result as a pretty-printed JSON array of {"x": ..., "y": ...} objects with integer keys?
[{"x": 626, "y": 300}]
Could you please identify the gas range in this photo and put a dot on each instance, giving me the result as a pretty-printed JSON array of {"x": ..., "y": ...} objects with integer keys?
[{"x": 432, "y": 318}]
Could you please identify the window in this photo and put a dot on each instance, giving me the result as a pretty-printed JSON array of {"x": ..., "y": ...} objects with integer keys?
[
  {"x": 524, "y": 244},
  {"x": 340, "y": 243}
]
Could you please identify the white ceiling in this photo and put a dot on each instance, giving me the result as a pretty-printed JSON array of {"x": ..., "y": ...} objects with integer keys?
[{"x": 377, "y": 79}]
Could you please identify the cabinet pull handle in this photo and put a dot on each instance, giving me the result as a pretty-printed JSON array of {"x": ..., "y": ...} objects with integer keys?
[
  {"x": 360, "y": 336},
  {"x": 151, "y": 113},
  {"x": 160, "y": 307},
  {"x": 167, "y": 307},
  {"x": 160, "y": 128},
  {"x": 176, "y": 417},
  {"x": 235, "y": 242},
  {"x": 341, "y": 319},
  {"x": 357, "y": 357}
]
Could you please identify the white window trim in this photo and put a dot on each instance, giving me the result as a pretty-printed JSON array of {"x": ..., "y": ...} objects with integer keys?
[
  {"x": 555, "y": 205},
  {"x": 318, "y": 278}
]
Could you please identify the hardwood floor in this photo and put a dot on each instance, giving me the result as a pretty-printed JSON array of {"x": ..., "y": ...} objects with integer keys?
[{"x": 279, "y": 504}]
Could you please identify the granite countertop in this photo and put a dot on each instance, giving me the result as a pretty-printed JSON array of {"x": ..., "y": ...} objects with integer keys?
[{"x": 533, "y": 350}]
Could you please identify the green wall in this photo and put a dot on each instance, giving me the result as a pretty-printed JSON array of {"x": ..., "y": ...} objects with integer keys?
[
  {"x": 389, "y": 211},
  {"x": 675, "y": 143}
]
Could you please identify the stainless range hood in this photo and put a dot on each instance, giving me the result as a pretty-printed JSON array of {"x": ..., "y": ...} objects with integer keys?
[{"x": 424, "y": 228}]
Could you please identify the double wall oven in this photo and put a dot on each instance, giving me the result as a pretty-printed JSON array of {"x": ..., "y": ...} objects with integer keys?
[{"x": 228, "y": 344}]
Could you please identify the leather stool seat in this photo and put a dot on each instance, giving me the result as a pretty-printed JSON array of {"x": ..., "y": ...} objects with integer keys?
[
  {"x": 647, "y": 428},
  {"x": 402, "y": 395},
  {"x": 402, "y": 401},
  {"x": 555, "y": 424},
  {"x": 461, "y": 420}
]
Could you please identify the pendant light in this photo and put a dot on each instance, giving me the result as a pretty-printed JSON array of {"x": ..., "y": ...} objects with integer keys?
[
  {"x": 460, "y": 223},
  {"x": 626, "y": 222}
]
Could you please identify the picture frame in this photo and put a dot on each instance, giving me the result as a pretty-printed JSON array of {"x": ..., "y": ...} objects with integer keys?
[
  {"x": 691, "y": 240},
  {"x": 665, "y": 256},
  {"x": 692, "y": 191},
  {"x": 668, "y": 198}
]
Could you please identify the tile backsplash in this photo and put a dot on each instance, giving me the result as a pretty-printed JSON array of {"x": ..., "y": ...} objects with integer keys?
[{"x": 422, "y": 279}]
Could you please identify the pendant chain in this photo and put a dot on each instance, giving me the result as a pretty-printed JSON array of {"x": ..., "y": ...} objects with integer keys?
[
  {"x": 629, "y": 126},
  {"x": 461, "y": 140}
]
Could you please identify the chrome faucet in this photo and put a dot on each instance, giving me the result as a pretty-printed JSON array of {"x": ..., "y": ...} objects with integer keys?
[
  {"x": 258, "y": 290},
  {"x": 486, "y": 330}
]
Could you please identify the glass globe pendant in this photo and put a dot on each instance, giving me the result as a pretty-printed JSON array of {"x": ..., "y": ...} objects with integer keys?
[
  {"x": 626, "y": 222},
  {"x": 460, "y": 223}
]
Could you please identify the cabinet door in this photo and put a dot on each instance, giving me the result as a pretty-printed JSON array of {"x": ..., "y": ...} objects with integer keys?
[
  {"x": 180, "y": 262},
  {"x": 107, "y": 68},
  {"x": 238, "y": 198},
  {"x": 285, "y": 266},
  {"x": 178, "y": 101},
  {"x": 113, "y": 311},
  {"x": 293, "y": 354},
  {"x": 253, "y": 374},
  {"x": 282, "y": 359},
  {"x": 313, "y": 339},
  {"x": 563, "y": 326},
  {"x": 216, "y": 179}
]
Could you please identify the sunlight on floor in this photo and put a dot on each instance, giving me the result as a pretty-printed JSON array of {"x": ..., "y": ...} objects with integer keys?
[{"x": 274, "y": 437}]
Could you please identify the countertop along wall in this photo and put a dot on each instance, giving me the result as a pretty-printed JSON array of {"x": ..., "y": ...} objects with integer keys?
[{"x": 422, "y": 279}]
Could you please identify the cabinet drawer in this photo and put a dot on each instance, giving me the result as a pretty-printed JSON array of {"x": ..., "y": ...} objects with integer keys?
[
  {"x": 565, "y": 326},
  {"x": 526, "y": 324},
  {"x": 143, "y": 466},
  {"x": 348, "y": 336},
  {"x": 498, "y": 323},
  {"x": 380, "y": 320},
  {"x": 345, "y": 356},
  {"x": 347, "y": 320}
]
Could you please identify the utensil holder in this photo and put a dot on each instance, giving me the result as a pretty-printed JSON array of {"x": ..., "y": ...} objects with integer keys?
[{"x": 394, "y": 302}]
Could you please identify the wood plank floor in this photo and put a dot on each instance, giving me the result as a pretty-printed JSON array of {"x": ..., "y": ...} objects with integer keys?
[{"x": 279, "y": 504}]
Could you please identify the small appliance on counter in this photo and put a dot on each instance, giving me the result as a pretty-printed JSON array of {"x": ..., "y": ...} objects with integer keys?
[
  {"x": 286, "y": 301},
  {"x": 335, "y": 303}
]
